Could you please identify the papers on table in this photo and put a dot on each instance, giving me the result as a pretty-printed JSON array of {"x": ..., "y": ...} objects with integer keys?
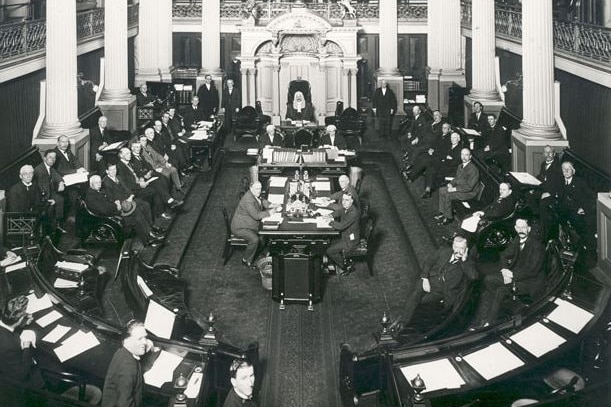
[
  {"x": 471, "y": 132},
  {"x": 199, "y": 135},
  {"x": 151, "y": 180},
  {"x": 146, "y": 291},
  {"x": 114, "y": 146},
  {"x": 470, "y": 224},
  {"x": 273, "y": 217},
  {"x": 570, "y": 316},
  {"x": 71, "y": 266},
  {"x": 267, "y": 154},
  {"x": 323, "y": 223},
  {"x": 252, "y": 151},
  {"x": 321, "y": 201},
  {"x": 63, "y": 283},
  {"x": 56, "y": 334},
  {"x": 48, "y": 319},
  {"x": 76, "y": 178},
  {"x": 14, "y": 267},
  {"x": 38, "y": 304},
  {"x": 277, "y": 182},
  {"x": 321, "y": 185},
  {"x": 206, "y": 124},
  {"x": 162, "y": 370},
  {"x": 493, "y": 361},
  {"x": 75, "y": 345},
  {"x": 438, "y": 374},
  {"x": 324, "y": 211},
  {"x": 347, "y": 153},
  {"x": 276, "y": 198},
  {"x": 159, "y": 320},
  {"x": 525, "y": 178},
  {"x": 340, "y": 159},
  {"x": 538, "y": 339},
  {"x": 195, "y": 384}
]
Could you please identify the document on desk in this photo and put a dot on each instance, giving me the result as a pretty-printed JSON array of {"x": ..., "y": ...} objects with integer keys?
[
  {"x": 146, "y": 291},
  {"x": 199, "y": 135},
  {"x": 114, "y": 146},
  {"x": 48, "y": 319},
  {"x": 63, "y": 283},
  {"x": 159, "y": 320},
  {"x": 56, "y": 334},
  {"x": 493, "y": 361},
  {"x": 277, "y": 182},
  {"x": 438, "y": 374},
  {"x": 15, "y": 266},
  {"x": 471, "y": 132},
  {"x": 76, "y": 178},
  {"x": 162, "y": 370},
  {"x": 570, "y": 316},
  {"x": 76, "y": 344},
  {"x": 525, "y": 178},
  {"x": 322, "y": 185},
  {"x": 538, "y": 339},
  {"x": 323, "y": 223},
  {"x": 38, "y": 304},
  {"x": 347, "y": 153},
  {"x": 195, "y": 384},
  {"x": 71, "y": 266},
  {"x": 324, "y": 211},
  {"x": 274, "y": 217},
  {"x": 470, "y": 223},
  {"x": 321, "y": 201},
  {"x": 277, "y": 199}
]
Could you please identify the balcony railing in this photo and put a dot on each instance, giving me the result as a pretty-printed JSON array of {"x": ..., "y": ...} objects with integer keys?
[
  {"x": 26, "y": 38},
  {"x": 270, "y": 9},
  {"x": 576, "y": 40}
]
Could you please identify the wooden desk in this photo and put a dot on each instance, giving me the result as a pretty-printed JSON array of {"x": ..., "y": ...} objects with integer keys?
[
  {"x": 208, "y": 145},
  {"x": 326, "y": 168}
]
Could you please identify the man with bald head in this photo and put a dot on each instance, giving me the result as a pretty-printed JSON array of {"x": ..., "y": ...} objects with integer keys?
[
  {"x": 333, "y": 139},
  {"x": 25, "y": 195},
  {"x": 247, "y": 217},
  {"x": 271, "y": 138},
  {"x": 345, "y": 188}
]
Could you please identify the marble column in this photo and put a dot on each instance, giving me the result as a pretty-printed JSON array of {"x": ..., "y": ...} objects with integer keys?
[
  {"x": 164, "y": 35},
  {"x": 211, "y": 45},
  {"x": 59, "y": 94},
  {"x": 147, "y": 48},
  {"x": 116, "y": 102},
  {"x": 389, "y": 61},
  {"x": 244, "y": 72},
  {"x": 252, "y": 85},
  {"x": 353, "y": 94},
  {"x": 538, "y": 127},
  {"x": 276, "y": 90}
]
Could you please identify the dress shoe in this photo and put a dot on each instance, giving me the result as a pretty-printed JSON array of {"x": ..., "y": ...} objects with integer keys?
[
  {"x": 439, "y": 216},
  {"x": 405, "y": 155},
  {"x": 154, "y": 242},
  {"x": 445, "y": 221},
  {"x": 156, "y": 235},
  {"x": 166, "y": 216},
  {"x": 246, "y": 263},
  {"x": 176, "y": 203},
  {"x": 159, "y": 230},
  {"x": 426, "y": 195},
  {"x": 408, "y": 168}
]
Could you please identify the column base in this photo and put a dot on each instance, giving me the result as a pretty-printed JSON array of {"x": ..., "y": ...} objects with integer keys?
[
  {"x": 121, "y": 114},
  {"x": 53, "y": 131},
  {"x": 527, "y": 152},
  {"x": 79, "y": 144},
  {"x": 395, "y": 82},
  {"x": 490, "y": 106}
]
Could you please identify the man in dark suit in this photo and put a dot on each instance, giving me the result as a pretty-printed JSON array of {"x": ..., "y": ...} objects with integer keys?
[
  {"x": 423, "y": 147},
  {"x": 67, "y": 163},
  {"x": 496, "y": 142},
  {"x": 16, "y": 345},
  {"x": 478, "y": 120},
  {"x": 464, "y": 186},
  {"x": 194, "y": 114},
  {"x": 271, "y": 138},
  {"x": 331, "y": 138},
  {"x": 133, "y": 215},
  {"x": 231, "y": 104},
  {"x": 344, "y": 188},
  {"x": 52, "y": 187},
  {"x": 208, "y": 97},
  {"x": 143, "y": 97},
  {"x": 348, "y": 225},
  {"x": 99, "y": 138},
  {"x": 179, "y": 151},
  {"x": 521, "y": 274},
  {"x": 242, "y": 375},
  {"x": 124, "y": 382},
  {"x": 247, "y": 217},
  {"x": 384, "y": 108},
  {"x": 417, "y": 132},
  {"x": 25, "y": 195},
  {"x": 445, "y": 272},
  {"x": 550, "y": 175}
]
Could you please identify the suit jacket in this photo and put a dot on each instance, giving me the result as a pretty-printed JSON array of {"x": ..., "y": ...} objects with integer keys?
[
  {"x": 208, "y": 100},
  {"x": 431, "y": 138},
  {"x": 65, "y": 165},
  {"x": 348, "y": 225},
  {"x": 152, "y": 157},
  {"x": 307, "y": 113},
  {"x": 128, "y": 178},
  {"x": 193, "y": 116},
  {"x": 466, "y": 180},
  {"x": 100, "y": 204},
  {"x": 96, "y": 138},
  {"x": 22, "y": 199},
  {"x": 265, "y": 141},
  {"x": 124, "y": 381},
  {"x": 141, "y": 166},
  {"x": 419, "y": 127},
  {"x": 446, "y": 278},
  {"x": 576, "y": 195},
  {"x": 233, "y": 101},
  {"x": 497, "y": 138},
  {"x": 17, "y": 364},
  {"x": 480, "y": 124},
  {"x": 551, "y": 178},
  {"x": 233, "y": 400},
  {"x": 526, "y": 265},
  {"x": 337, "y": 196},
  {"x": 142, "y": 100},
  {"x": 384, "y": 103},
  {"x": 47, "y": 181},
  {"x": 340, "y": 141},
  {"x": 115, "y": 190},
  {"x": 249, "y": 213},
  {"x": 499, "y": 208},
  {"x": 161, "y": 142}
]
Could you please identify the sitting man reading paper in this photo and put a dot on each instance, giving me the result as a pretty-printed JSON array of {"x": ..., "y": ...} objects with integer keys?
[{"x": 348, "y": 225}]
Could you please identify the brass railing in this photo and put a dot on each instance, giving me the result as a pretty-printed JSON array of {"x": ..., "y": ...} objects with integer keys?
[
  {"x": 18, "y": 40},
  {"x": 576, "y": 40}
]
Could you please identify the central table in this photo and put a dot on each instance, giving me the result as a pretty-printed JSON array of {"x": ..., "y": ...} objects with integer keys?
[{"x": 296, "y": 244}]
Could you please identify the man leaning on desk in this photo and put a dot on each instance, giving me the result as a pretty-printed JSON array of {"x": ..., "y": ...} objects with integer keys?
[
  {"x": 348, "y": 225},
  {"x": 247, "y": 217}
]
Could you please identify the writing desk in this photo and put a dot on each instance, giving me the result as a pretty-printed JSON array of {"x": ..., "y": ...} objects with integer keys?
[
  {"x": 201, "y": 143},
  {"x": 297, "y": 248}
]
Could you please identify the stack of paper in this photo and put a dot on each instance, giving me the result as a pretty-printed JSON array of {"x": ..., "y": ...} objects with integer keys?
[
  {"x": 324, "y": 211},
  {"x": 570, "y": 316},
  {"x": 471, "y": 132},
  {"x": 56, "y": 334},
  {"x": 538, "y": 339},
  {"x": 525, "y": 178},
  {"x": 277, "y": 182},
  {"x": 438, "y": 374},
  {"x": 75, "y": 345},
  {"x": 321, "y": 185},
  {"x": 71, "y": 266},
  {"x": 114, "y": 146},
  {"x": 323, "y": 223},
  {"x": 38, "y": 304},
  {"x": 199, "y": 135},
  {"x": 493, "y": 361},
  {"x": 15, "y": 267},
  {"x": 76, "y": 178},
  {"x": 162, "y": 370},
  {"x": 63, "y": 283},
  {"x": 276, "y": 198},
  {"x": 49, "y": 318}
]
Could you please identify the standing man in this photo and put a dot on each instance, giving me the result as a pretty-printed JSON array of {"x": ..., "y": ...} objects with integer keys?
[
  {"x": 243, "y": 381},
  {"x": 67, "y": 163},
  {"x": 208, "y": 97},
  {"x": 52, "y": 187},
  {"x": 124, "y": 382},
  {"x": 232, "y": 103},
  {"x": 348, "y": 225},
  {"x": 496, "y": 142},
  {"x": 384, "y": 107},
  {"x": 245, "y": 223},
  {"x": 99, "y": 138}
]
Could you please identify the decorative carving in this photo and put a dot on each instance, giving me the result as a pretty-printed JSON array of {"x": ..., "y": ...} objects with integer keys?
[
  {"x": 306, "y": 44},
  {"x": 266, "y": 48},
  {"x": 334, "y": 49},
  {"x": 347, "y": 9},
  {"x": 250, "y": 10}
]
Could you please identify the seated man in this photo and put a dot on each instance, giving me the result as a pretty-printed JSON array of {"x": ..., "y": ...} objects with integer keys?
[
  {"x": 462, "y": 187},
  {"x": 496, "y": 144},
  {"x": 418, "y": 162},
  {"x": 348, "y": 224},
  {"x": 445, "y": 272},
  {"x": 16, "y": 345},
  {"x": 426, "y": 139},
  {"x": 271, "y": 138},
  {"x": 99, "y": 138},
  {"x": 300, "y": 109},
  {"x": 179, "y": 151},
  {"x": 521, "y": 274},
  {"x": 67, "y": 163},
  {"x": 345, "y": 188},
  {"x": 417, "y": 131},
  {"x": 133, "y": 215},
  {"x": 52, "y": 187},
  {"x": 243, "y": 382},
  {"x": 193, "y": 115},
  {"x": 332, "y": 139},
  {"x": 143, "y": 97},
  {"x": 157, "y": 161},
  {"x": 25, "y": 196},
  {"x": 245, "y": 223}
]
